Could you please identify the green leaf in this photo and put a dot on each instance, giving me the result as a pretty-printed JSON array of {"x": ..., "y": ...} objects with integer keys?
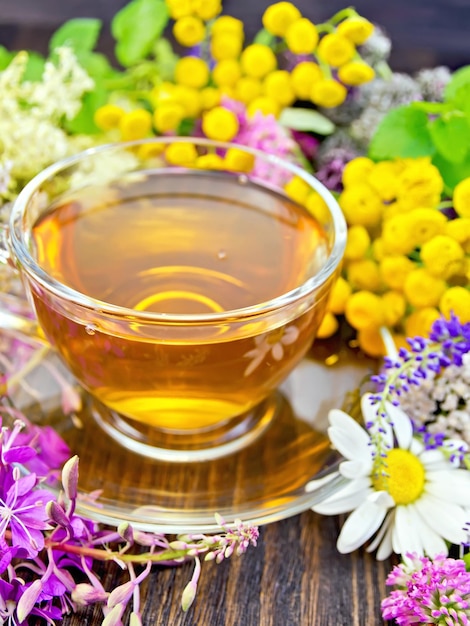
[
  {"x": 34, "y": 67},
  {"x": 83, "y": 123},
  {"x": 433, "y": 108},
  {"x": 461, "y": 99},
  {"x": 96, "y": 65},
  {"x": 136, "y": 27},
  {"x": 5, "y": 57},
  {"x": 402, "y": 133},
  {"x": 451, "y": 136},
  {"x": 80, "y": 34},
  {"x": 306, "y": 120},
  {"x": 452, "y": 173},
  {"x": 264, "y": 37},
  {"x": 459, "y": 78},
  {"x": 166, "y": 59}
]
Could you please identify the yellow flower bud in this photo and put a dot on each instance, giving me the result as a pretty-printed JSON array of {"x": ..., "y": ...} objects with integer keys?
[
  {"x": 297, "y": 189},
  {"x": 303, "y": 76},
  {"x": 226, "y": 73},
  {"x": 442, "y": 256},
  {"x": 189, "y": 99},
  {"x": 339, "y": 295},
  {"x": 210, "y": 97},
  {"x": 181, "y": 153},
  {"x": 335, "y": 49},
  {"x": 219, "y": 123},
  {"x": 422, "y": 289},
  {"x": 364, "y": 274},
  {"x": 461, "y": 198},
  {"x": 317, "y": 207},
  {"x": 168, "y": 116},
  {"x": 456, "y": 300},
  {"x": 279, "y": 16},
  {"x": 328, "y": 93},
  {"x": 189, "y": 31},
  {"x": 247, "y": 89},
  {"x": 357, "y": 29},
  {"x": 226, "y": 24},
  {"x": 264, "y": 105},
  {"x": 383, "y": 178},
  {"x": 361, "y": 205},
  {"x": 357, "y": 171},
  {"x": 364, "y": 310},
  {"x": 370, "y": 342},
  {"x": 329, "y": 325},
  {"x": 226, "y": 46},
  {"x": 258, "y": 60},
  {"x": 357, "y": 244},
  {"x": 207, "y": 9},
  {"x": 397, "y": 236},
  {"x": 459, "y": 229},
  {"x": 424, "y": 224},
  {"x": 278, "y": 87},
  {"x": 237, "y": 160},
  {"x": 179, "y": 8},
  {"x": 210, "y": 162},
  {"x": 192, "y": 72},
  {"x": 136, "y": 124},
  {"x": 150, "y": 150},
  {"x": 355, "y": 73},
  {"x": 419, "y": 323},
  {"x": 394, "y": 270},
  {"x": 108, "y": 116},
  {"x": 301, "y": 36},
  {"x": 394, "y": 306}
]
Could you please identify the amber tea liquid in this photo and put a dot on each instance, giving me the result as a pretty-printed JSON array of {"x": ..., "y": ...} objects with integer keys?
[{"x": 192, "y": 243}]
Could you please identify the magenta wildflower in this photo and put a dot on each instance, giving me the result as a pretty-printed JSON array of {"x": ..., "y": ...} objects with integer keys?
[{"x": 429, "y": 592}]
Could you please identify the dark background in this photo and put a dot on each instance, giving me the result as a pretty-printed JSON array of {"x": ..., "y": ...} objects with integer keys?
[{"x": 425, "y": 33}]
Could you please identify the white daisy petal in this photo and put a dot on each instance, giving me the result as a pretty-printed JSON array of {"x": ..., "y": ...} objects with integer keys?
[
  {"x": 383, "y": 539},
  {"x": 434, "y": 460},
  {"x": 350, "y": 439},
  {"x": 402, "y": 425},
  {"x": 360, "y": 526},
  {"x": 382, "y": 498},
  {"x": 449, "y": 486},
  {"x": 416, "y": 447},
  {"x": 446, "y": 519},
  {"x": 405, "y": 537},
  {"x": 346, "y": 499},
  {"x": 352, "y": 469}
]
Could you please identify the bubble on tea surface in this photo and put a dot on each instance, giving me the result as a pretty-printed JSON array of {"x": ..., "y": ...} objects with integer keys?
[
  {"x": 221, "y": 255},
  {"x": 90, "y": 329}
]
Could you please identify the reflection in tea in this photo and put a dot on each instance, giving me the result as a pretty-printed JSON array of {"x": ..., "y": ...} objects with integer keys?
[{"x": 190, "y": 243}]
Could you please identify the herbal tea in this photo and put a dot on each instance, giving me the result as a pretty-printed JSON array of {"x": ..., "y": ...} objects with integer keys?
[{"x": 185, "y": 243}]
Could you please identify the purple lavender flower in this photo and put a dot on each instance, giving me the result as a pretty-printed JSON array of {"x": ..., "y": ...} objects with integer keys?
[{"x": 429, "y": 592}]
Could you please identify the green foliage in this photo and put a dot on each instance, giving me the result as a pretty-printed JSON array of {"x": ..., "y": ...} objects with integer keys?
[
  {"x": 307, "y": 120},
  {"x": 80, "y": 34},
  {"x": 5, "y": 57},
  {"x": 440, "y": 130},
  {"x": 136, "y": 27},
  {"x": 83, "y": 123},
  {"x": 34, "y": 67}
]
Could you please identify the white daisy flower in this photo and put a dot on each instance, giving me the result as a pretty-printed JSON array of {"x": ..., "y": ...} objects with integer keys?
[
  {"x": 271, "y": 343},
  {"x": 419, "y": 504}
]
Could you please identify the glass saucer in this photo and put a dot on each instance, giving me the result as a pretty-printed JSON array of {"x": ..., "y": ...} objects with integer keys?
[{"x": 265, "y": 482}]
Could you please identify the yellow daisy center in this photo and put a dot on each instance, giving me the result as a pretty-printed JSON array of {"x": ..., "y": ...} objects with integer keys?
[{"x": 404, "y": 476}]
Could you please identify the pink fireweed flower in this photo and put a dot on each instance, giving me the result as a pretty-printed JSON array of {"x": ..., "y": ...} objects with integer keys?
[{"x": 428, "y": 592}]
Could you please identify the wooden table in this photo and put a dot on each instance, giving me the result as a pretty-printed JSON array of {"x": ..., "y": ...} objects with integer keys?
[{"x": 295, "y": 577}]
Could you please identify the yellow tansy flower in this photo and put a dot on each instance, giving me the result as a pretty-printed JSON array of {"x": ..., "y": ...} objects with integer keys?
[
  {"x": 210, "y": 162},
  {"x": 179, "y": 8},
  {"x": 419, "y": 184},
  {"x": 297, "y": 189},
  {"x": 370, "y": 341},
  {"x": 356, "y": 73},
  {"x": 168, "y": 116},
  {"x": 226, "y": 46},
  {"x": 340, "y": 293},
  {"x": 419, "y": 323},
  {"x": 135, "y": 124},
  {"x": 258, "y": 60},
  {"x": 219, "y": 123},
  {"x": 335, "y": 49},
  {"x": 237, "y": 160},
  {"x": 459, "y": 229},
  {"x": 226, "y": 73},
  {"x": 150, "y": 150},
  {"x": 442, "y": 256},
  {"x": 207, "y": 9},
  {"x": 424, "y": 224},
  {"x": 189, "y": 31},
  {"x": 108, "y": 116},
  {"x": 189, "y": 99},
  {"x": 357, "y": 244},
  {"x": 277, "y": 85},
  {"x": 301, "y": 36},
  {"x": 394, "y": 306},
  {"x": 182, "y": 153},
  {"x": 317, "y": 207},
  {"x": 364, "y": 310},
  {"x": 397, "y": 236},
  {"x": 364, "y": 274},
  {"x": 279, "y": 16},
  {"x": 210, "y": 97},
  {"x": 303, "y": 76},
  {"x": 422, "y": 289},
  {"x": 328, "y": 93},
  {"x": 264, "y": 105},
  {"x": 329, "y": 325},
  {"x": 382, "y": 177},
  {"x": 192, "y": 72},
  {"x": 227, "y": 24},
  {"x": 357, "y": 171},
  {"x": 361, "y": 205},
  {"x": 357, "y": 29},
  {"x": 456, "y": 300},
  {"x": 247, "y": 89},
  {"x": 394, "y": 270},
  {"x": 461, "y": 197}
]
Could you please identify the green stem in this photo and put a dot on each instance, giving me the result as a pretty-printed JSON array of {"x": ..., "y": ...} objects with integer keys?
[{"x": 343, "y": 14}]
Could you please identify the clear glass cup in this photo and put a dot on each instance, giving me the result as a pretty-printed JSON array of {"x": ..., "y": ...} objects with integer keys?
[{"x": 181, "y": 280}]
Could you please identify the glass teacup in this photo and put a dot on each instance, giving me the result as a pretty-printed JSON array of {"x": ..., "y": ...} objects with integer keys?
[{"x": 181, "y": 280}]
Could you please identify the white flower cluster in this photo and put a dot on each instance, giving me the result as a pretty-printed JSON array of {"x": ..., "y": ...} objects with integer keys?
[
  {"x": 31, "y": 116},
  {"x": 443, "y": 402}
]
